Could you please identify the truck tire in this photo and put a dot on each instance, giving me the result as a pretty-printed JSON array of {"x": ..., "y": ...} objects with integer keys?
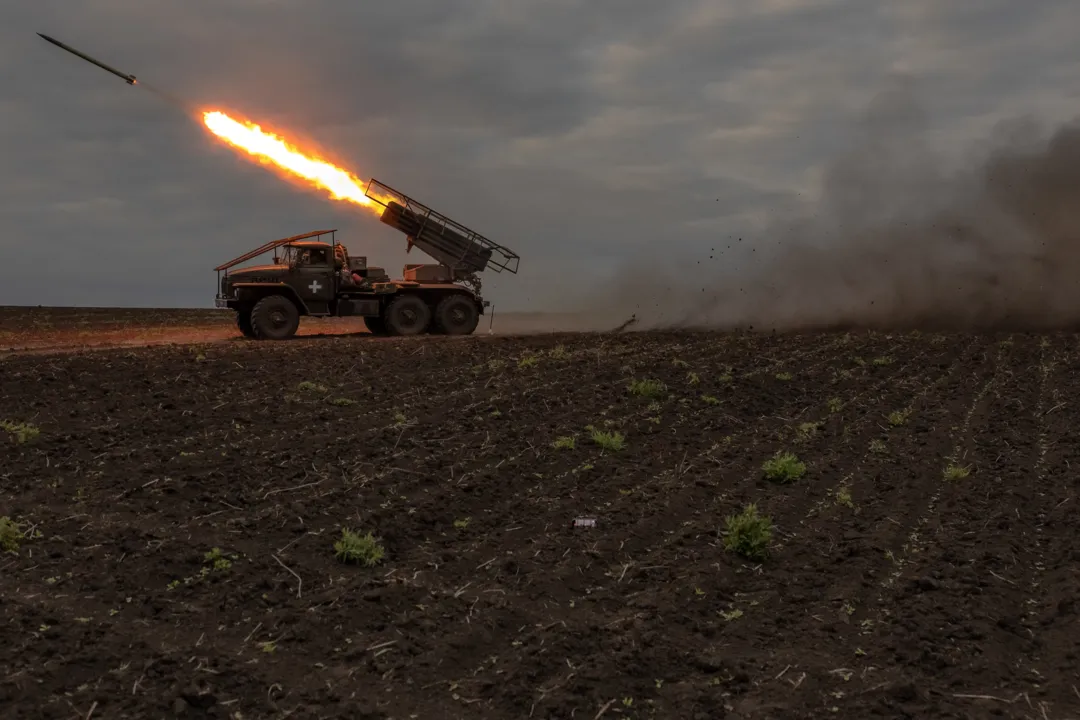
[
  {"x": 243, "y": 321},
  {"x": 407, "y": 314},
  {"x": 375, "y": 325},
  {"x": 275, "y": 317},
  {"x": 456, "y": 315}
]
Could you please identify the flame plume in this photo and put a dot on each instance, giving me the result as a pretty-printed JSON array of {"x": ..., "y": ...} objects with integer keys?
[{"x": 269, "y": 148}]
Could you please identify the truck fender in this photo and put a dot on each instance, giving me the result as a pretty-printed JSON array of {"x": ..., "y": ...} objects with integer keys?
[{"x": 258, "y": 290}]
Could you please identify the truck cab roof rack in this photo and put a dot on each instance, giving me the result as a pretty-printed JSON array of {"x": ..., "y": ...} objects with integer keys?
[{"x": 274, "y": 244}]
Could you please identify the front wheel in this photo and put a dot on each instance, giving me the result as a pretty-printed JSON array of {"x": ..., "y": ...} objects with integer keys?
[
  {"x": 275, "y": 318},
  {"x": 243, "y": 321},
  {"x": 456, "y": 315},
  {"x": 407, "y": 315}
]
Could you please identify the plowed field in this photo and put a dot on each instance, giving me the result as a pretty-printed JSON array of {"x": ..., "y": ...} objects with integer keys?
[{"x": 176, "y": 512}]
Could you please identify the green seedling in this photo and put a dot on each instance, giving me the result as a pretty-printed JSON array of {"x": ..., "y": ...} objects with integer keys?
[
  {"x": 748, "y": 534},
  {"x": 217, "y": 559},
  {"x": 647, "y": 388},
  {"x": 10, "y": 535},
  {"x": 356, "y": 548},
  {"x": 843, "y": 497},
  {"x": 899, "y": 417},
  {"x": 608, "y": 440},
  {"x": 806, "y": 431},
  {"x": 956, "y": 472},
  {"x": 564, "y": 443},
  {"x": 20, "y": 432},
  {"x": 784, "y": 467}
]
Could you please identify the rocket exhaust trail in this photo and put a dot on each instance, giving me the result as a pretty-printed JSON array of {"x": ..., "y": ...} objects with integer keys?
[{"x": 176, "y": 101}]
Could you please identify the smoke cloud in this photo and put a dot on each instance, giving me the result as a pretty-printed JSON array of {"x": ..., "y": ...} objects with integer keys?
[{"x": 897, "y": 242}]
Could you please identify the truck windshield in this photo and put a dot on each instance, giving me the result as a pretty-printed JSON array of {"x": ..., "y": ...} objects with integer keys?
[{"x": 301, "y": 256}]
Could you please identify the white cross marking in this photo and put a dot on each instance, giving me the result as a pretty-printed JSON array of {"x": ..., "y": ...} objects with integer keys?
[{"x": 315, "y": 286}]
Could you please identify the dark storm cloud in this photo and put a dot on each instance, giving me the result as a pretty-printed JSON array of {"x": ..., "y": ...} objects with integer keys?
[{"x": 579, "y": 133}]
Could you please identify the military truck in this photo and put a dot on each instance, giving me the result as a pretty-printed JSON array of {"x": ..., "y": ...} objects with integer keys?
[{"x": 312, "y": 277}]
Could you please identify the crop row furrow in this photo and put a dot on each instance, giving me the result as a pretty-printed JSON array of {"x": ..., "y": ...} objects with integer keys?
[
  {"x": 947, "y": 564},
  {"x": 823, "y": 562},
  {"x": 911, "y": 384},
  {"x": 875, "y": 455},
  {"x": 566, "y": 416},
  {"x": 551, "y": 450},
  {"x": 783, "y": 419},
  {"x": 699, "y": 347},
  {"x": 553, "y": 467},
  {"x": 641, "y": 505},
  {"x": 935, "y": 485},
  {"x": 837, "y": 555},
  {"x": 855, "y": 618},
  {"x": 1043, "y": 619},
  {"x": 745, "y": 468},
  {"x": 316, "y": 401},
  {"x": 410, "y": 467}
]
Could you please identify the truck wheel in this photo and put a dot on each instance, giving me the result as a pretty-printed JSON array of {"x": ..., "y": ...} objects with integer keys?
[
  {"x": 243, "y": 321},
  {"x": 407, "y": 315},
  {"x": 456, "y": 315},
  {"x": 375, "y": 325},
  {"x": 275, "y": 318}
]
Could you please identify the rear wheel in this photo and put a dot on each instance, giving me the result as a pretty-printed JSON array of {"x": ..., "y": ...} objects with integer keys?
[
  {"x": 375, "y": 325},
  {"x": 275, "y": 318},
  {"x": 456, "y": 315},
  {"x": 243, "y": 321},
  {"x": 407, "y": 315}
]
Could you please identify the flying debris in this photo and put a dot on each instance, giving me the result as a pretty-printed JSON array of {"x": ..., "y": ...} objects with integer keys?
[{"x": 130, "y": 79}]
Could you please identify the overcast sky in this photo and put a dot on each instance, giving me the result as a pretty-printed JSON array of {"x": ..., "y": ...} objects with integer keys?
[{"x": 581, "y": 133}]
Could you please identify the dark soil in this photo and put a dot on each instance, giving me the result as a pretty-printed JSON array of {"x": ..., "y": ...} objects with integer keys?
[{"x": 888, "y": 591}]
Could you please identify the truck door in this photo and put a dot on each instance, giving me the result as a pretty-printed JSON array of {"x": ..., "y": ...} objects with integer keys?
[{"x": 315, "y": 281}]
